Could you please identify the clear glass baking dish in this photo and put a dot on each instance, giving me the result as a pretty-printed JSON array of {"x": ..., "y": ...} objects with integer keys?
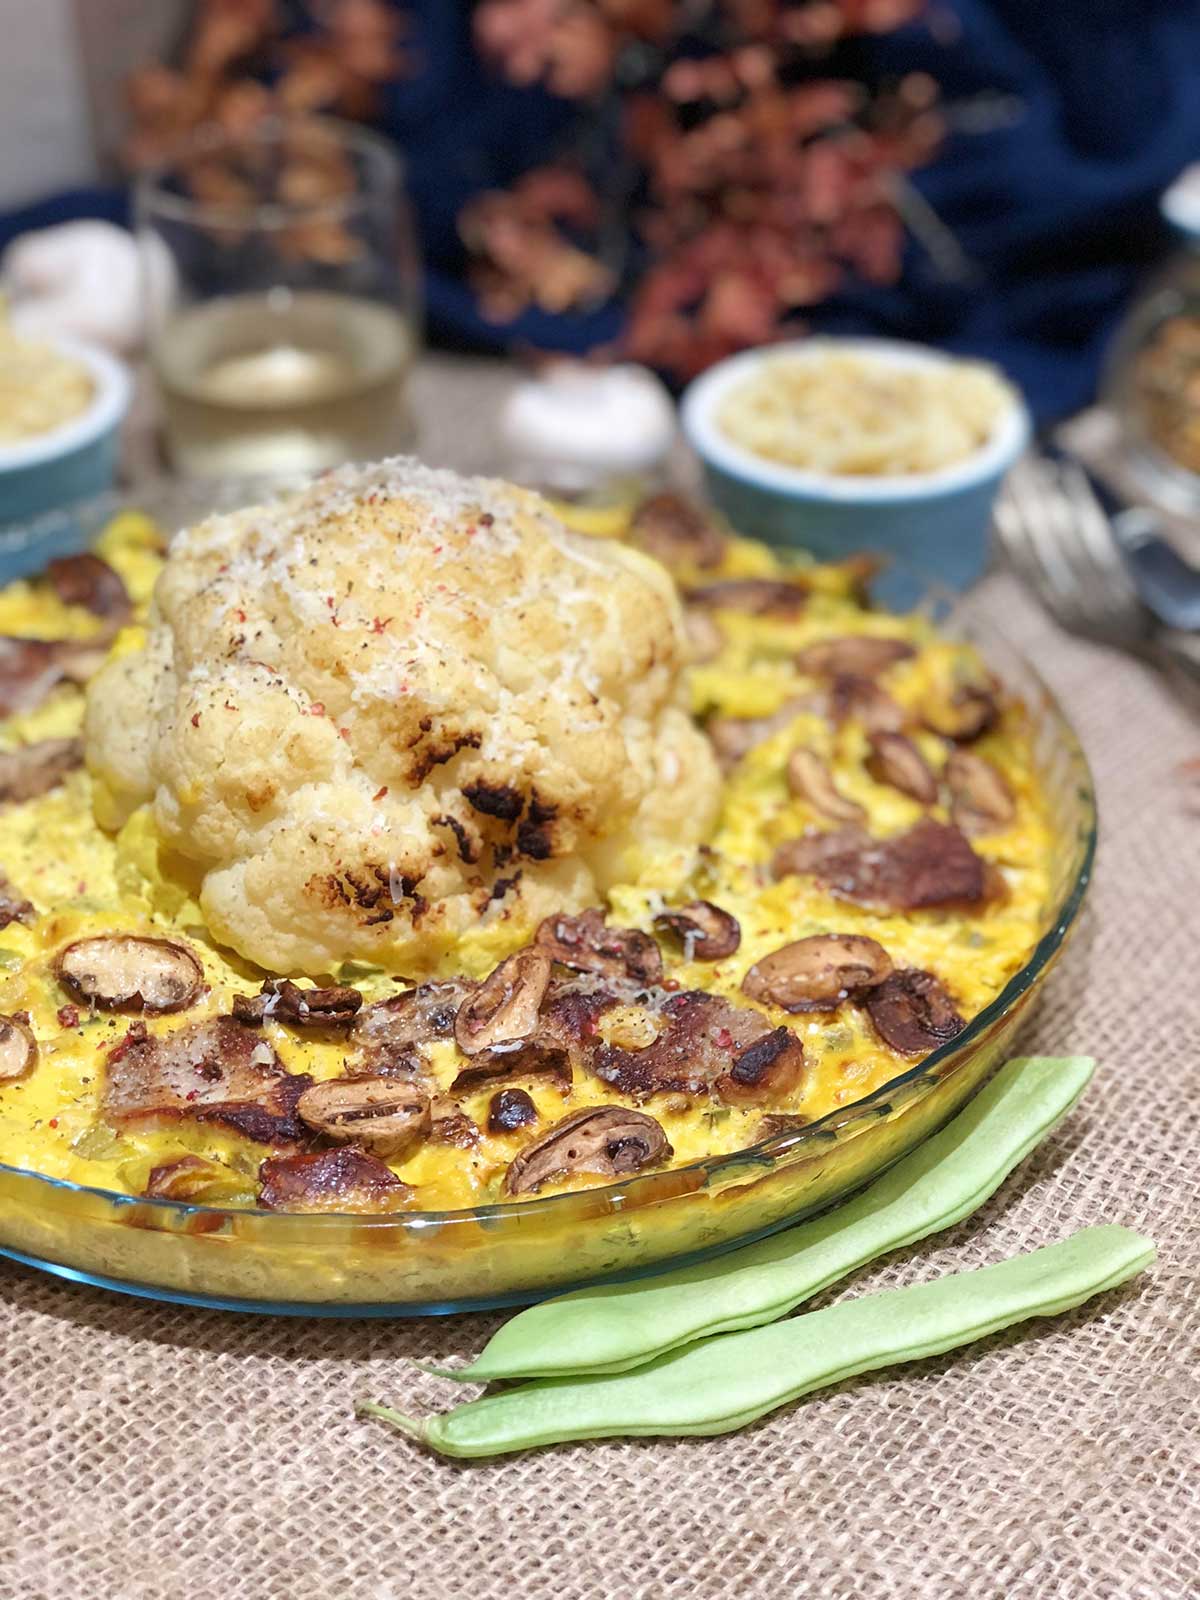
[{"x": 418, "y": 1263}]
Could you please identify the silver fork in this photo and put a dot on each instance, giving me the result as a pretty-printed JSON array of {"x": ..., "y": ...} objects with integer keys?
[{"x": 1056, "y": 535}]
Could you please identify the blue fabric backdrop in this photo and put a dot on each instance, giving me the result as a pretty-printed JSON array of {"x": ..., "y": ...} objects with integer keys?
[{"x": 1072, "y": 116}]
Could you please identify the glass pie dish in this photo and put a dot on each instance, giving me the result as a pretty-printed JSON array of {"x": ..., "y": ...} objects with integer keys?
[{"x": 410, "y": 1262}]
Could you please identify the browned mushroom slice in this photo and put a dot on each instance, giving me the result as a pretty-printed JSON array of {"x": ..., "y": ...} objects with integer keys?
[
  {"x": 913, "y": 1013},
  {"x": 587, "y": 944},
  {"x": 675, "y": 530},
  {"x": 85, "y": 580},
  {"x": 818, "y": 973},
  {"x": 767, "y": 1070},
  {"x": 124, "y": 972},
  {"x": 531, "y": 1059},
  {"x": 505, "y": 1006},
  {"x": 980, "y": 798},
  {"x": 34, "y": 769},
  {"x": 969, "y": 712},
  {"x": 761, "y": 597},
  {"x": 285, "y": 1001},
  {"x": 607, "y": 1141},
  {"x": 389, "y": 1031},
  {"x": 384, "y": 1116},
  {"x": 702, "y": 1041},
  {"x": 343, "y": 1180},
  {"x": 896, "y": 760},
  {"x": 734, "y": 737},
  {"x": 930, "y": 865},
  {"x": 866, "y": 702},
  {"x": 13, "y": 905},
  {"x": 509, "y": 1110},
  {"x": 211, "y": 1071},
  {"x": 18, "y": 1049},
  {"x": 810, "y": 779},
  {"x": 450, "y": 1124},
  {"x": 191, "y": 1178},
  {"x": 706, "y": 932},
  {"x": 31, "y": 668},
  {"x": 857, "y": 655},
  {"x": 812, "y": 849}
]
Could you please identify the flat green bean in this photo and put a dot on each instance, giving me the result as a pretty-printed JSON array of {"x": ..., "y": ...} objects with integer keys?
[
  {"x": 717, "y": 1385},
  {"x": 617, "y": 1326}
]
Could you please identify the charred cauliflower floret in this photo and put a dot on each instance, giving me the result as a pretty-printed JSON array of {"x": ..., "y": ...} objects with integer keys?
[{"x": 396, "y": 705}]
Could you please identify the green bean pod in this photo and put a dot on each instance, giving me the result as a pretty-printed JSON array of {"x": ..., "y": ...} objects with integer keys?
[
  {"x": 721, "y": 1384},
  {"x": 617, "y": 1326}
]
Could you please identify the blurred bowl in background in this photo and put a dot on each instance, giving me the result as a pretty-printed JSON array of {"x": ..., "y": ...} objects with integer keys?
[
  {"x": 74, "y": 461},
  {"x": 937, "y": 521}
]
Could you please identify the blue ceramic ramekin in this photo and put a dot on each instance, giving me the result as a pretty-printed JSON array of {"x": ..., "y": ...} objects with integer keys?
[
  {"x": 73, "y": 462},
  {"x": 936, "y": 523}
]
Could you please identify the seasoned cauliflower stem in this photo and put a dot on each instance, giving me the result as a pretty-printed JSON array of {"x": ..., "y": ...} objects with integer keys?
[{"x": 396, "y": 705}]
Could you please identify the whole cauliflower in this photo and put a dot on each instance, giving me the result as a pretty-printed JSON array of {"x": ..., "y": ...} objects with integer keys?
[{"x": 397, "y": 706}]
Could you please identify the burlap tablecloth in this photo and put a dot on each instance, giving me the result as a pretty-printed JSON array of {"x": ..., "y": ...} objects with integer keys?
[{"x": 153, "y": 1453}]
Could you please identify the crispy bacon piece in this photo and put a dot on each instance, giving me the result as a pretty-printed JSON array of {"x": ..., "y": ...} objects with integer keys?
[
  {"x": 212, "y": 1071},
  {"x": 606, "y": 1140},
  {"x": 13, "y": 905},
  {"x": 30, "y": 669},
  {"x": 285, "y": 1001},
  {"x": 342, "y": 1180},
  {"x": 34, "y": 769},
  {"x": 930, "y": 865},
  {"x": 761, "y": 597},
  {"x": 676, "y": 530},
  {"x": 85, "y": 580},
  {"x": 707, "y": 1046},
  {"x": 812, "y": 849},
  {"x": 856, "y": 655},
  {"x": 587, "y": 944},
  {"x": 389, "y": 1033},
  {"x": 913, "y": 1013}
]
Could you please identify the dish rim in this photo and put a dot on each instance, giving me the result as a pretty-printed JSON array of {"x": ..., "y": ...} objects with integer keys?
[
  {"x": 697, "y": 417},
  {"x": 114, "y": 389},
  {"x": 624, "y": 1195}
]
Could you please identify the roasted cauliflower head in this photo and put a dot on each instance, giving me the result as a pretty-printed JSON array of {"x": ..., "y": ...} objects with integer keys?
[{"x": 400, "y": 705}]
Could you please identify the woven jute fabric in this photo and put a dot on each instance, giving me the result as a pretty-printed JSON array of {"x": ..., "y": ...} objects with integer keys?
[{"x": 158, "y": 1453}]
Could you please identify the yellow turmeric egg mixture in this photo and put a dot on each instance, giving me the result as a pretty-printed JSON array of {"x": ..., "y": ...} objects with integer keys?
[{"x": 547, "y": 991}]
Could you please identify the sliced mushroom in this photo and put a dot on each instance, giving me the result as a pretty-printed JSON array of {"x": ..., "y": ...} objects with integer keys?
[
  {"x": 18, "y": 1049},
  {"x": 676, "y": 530},
  {"x": 509, "y": 1110},
  {"x": 342, "y": 1180},
  {"x": 863, "y": 699},
  {"x": 606, "y": 1140},
  {"x": 85, "y": 580},
  {"x": 812, "y": 849},
  {"x": 450, "y": 1124},
  {"x": 30, "y": 669},
  {"x": 706, "y": 932},
  {"x": 14, "y": 907},
  {"x": 810, "y": 779},
  {"x": 895, "y": 760},
  {"x": 968, "y": 712},
  {"x": 768, "y": 1069},
  {"x": 505, "y": 1006},
  {"x": 818, "y": 973},
  {"x": 912, "y": 1012},
  {"x": 856, "y": 655},
  {"x": 285, "y": 1001},
  {"x": 980, "y": 798},
  {"x": 34, "y": 769},
  {"x": 383, "y": 1115},
  {"x": 587, "y": 944},
  {"x": 735, "y": 737},
  {"x": 761, "y": 597},
  {"x": 124, "y": 972},
  {"x": 191, "y": 1178}
]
